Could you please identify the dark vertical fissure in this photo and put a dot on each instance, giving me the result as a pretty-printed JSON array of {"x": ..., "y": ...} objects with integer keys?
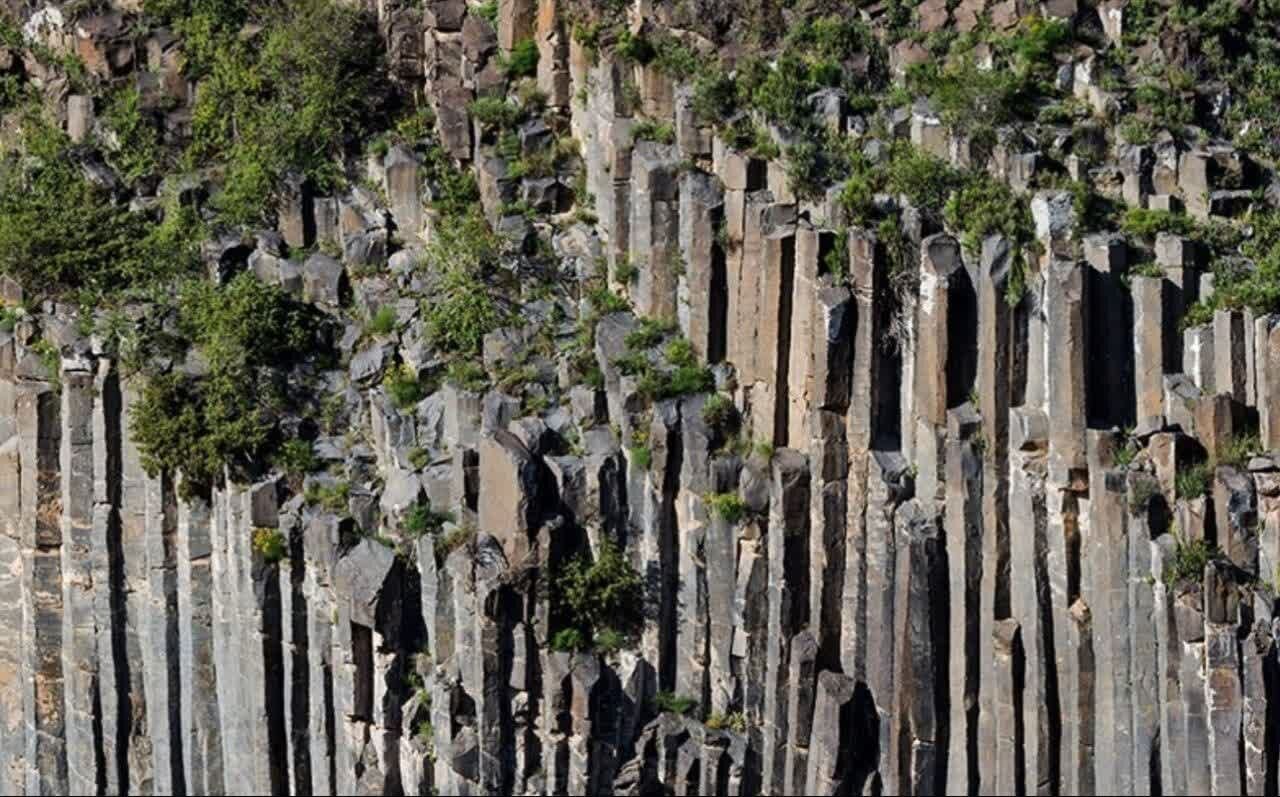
[{"x": 781, "y": 405}]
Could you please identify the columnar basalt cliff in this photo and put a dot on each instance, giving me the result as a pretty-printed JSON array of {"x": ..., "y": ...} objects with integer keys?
[{"x": 652, "y": 398}]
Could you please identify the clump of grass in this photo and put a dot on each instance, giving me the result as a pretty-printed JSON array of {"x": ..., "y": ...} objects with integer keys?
[
  {"x": 403, "y": 387},
  {"x": 1239, "y": 450},
  {"x": 297, "y": 457},
  {"x": 641, "y": 456},
  {"x": 1141, "y": 493},
  {"x": 1190, "y": 556},
  {"x": 333, "y": 497},
  {"x": 422, "y": 519},
  {"x": 734, "y": 721},
  {"x": 727, "y": 506},
  {"x": 270, "y": 544},
  {"x": 383, "y": 321},
  {"x": 718, "y": 411},
  {"x": 568, "y": 640},
  {"x": 453, "y": 540},
  {"x": 1193, "y": 481},
  {"x": 676, "y": 704}
]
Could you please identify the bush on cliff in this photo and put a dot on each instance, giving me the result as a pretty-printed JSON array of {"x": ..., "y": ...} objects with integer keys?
[
  {"x": 284, "y": 88},
  {"x": 61, "y": 233},
  {"x": 604, "y": 594},
  {"x": 225, "y": 417}
]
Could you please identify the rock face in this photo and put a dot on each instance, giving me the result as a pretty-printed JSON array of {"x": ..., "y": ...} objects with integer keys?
[{"x": 891, "y": 540}]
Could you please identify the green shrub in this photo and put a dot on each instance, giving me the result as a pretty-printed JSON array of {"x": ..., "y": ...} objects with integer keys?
[
  {"x": 297, "y": 456},
  {"x": 403, "y": 387},
  {"x": 419, "y": 457},
  {"x": 425, "y": 734},
  {"x": 676, "y": 704},
  {"x": 735, "y": 721},
  {"x": 384, "y": 321},
  {"x": 634, "y": 47},
  {"x": 1190, "y": 557},
  {"x": 718, "y": 411},
  {"x": 836, "y": 259},
  {"x": 641, "y": 456},
  {"x": 288, "y": 100},
  {"x": 984, "y": 206},
  {"x": 1125, "y": 454},
  {"x": 422, "y": 519},
  {"x": 333, "y": 497},
  {"x": 139, "y": 151},
  {"x": 625, "y": 271},
  {"x": 60, "y": 233},
  {"x": 488, "y": 11},
  {"x": 649, "y": 333},
  {"x": 522, "y": 60},
  {"x": 605, "y": 302},
  {"x": 453, "y": 540},
  {"x": 649, "y": 130},
  {"x": 1146, "y": 224},
  {"x": 679, "y": 352},
  {"x": 568, "y": 640},
  {"x": 245, "y": 330},
  {"x": 1193, "y": 481},
  {"x": 726, "y": 506},
  {"x": 1239, "y": 449},
  {"x": 600, "y": 594},
  {"x": 468, "y": 375},
  {"x": 270, "y": 544},
  {"x": 609, "y": 641},
  {"x": 494, "y": 113},
  {"x": 463, "y": 306}
]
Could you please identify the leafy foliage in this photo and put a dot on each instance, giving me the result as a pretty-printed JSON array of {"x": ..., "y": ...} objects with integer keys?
[
  {"x": 1190, "y": 556},
  {"x": 59, "y": 232},
  {"x": 676, "y": 704},
  {"x": 270, "y": 544},
  {"x": 224, "y": 419},
  {"x": 422, "y": 519},
  {"x": 286, "y": 100},
  {"x": 606, "y": 593},
  {"x": 464, "y": 306},
  {"x": 727, "y": 506}
]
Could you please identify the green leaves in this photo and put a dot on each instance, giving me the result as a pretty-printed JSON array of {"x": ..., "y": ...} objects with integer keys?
[{"x": 288, "y": 99}]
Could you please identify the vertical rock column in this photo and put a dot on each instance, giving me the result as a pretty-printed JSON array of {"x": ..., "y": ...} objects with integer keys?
[
  {"x": 702, "y": 290},
  {"x": 788, "y": 544},
  {"x": 132, "y": 609},
  {"x": 885, "y": 491},
  {"x": 1149, "y": 331},
  {"x": 79, "y": 631},
  {"x": 108, "y": 578},
  {"x": 1146, "y": 521},
  {"x": 1267, "y": 385},
  {"x": 1106, "y": 582},
  {"x": 770, "y": 385},
  {"x": 12, "y": 662},
  {"x": 40, "y": 537},
  {"x": 962, "y": 522},
  {"x": 940, "y": 264},
  {"x": 920, "y": 704},
  {"x": 160, "y": 656},
  {"x": 866, "y": 272},
  {"x": 1173, "y": 730},
  {"x": 1030, "y": 595},
  {"x": 198, "y": 695},
  {"x": 995, "y": 366},
  {"x": 1223, "y": 690},
  {"x": 655, "y": 229}
]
